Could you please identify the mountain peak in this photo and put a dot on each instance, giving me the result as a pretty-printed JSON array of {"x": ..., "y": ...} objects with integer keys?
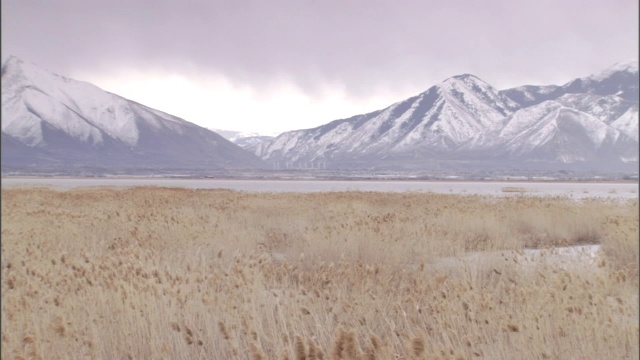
[
  {"x": 12, "y": 59},
  {"x": 11, "y": 62},
  {"x": 630, "y": 66},
  {"x": 464, "y": 117},
  {"x": 75, "y": 123},
  {"x": 465, "y": 78},
  {"x": 15, "y": 62},
  {"x": 466, "y": 82},
  {"x": 15, "y": 71}
]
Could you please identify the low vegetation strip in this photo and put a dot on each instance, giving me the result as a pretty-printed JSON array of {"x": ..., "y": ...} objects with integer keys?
[
  {"x": 513, "y": 189},
  {"x": 164, "y": 273}
]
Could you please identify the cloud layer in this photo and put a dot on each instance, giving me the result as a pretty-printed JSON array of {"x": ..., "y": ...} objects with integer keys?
[{"x": 363, "y": 48}]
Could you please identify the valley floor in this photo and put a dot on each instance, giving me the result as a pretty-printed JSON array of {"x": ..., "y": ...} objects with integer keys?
[{"x": 166, "y": 273}]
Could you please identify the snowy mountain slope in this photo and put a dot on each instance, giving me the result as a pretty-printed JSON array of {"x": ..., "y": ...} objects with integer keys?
[
  {"x": 594, "y": 117},
  {"x": 529, "y": 95},
  {"x": 232, "y": 135},
  {"x": 620, "y": 80},
  {"x": 250, "y": 141},
  {"x": 606, "y": 108},
  {"x": 613, "y": 110},
  {"x": 579, "y": 137},
  {"x": 551, "y": 131},
  {"x": 253, "y": 144},
  {"x": 589, "y": 120},
  {"x": 628, "y": 123},
  {"x": 63, "y": 103},
  {"x": 76, "y": 123},
  {"x": 438, "y": 120}
]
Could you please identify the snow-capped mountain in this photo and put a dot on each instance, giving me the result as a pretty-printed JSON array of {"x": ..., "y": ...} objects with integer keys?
[
  {"x": 438, "y": 120},
  {"x": 620, "y": 80},
  {"x": 49, "y": 119},
  {"x": 611, "y": 96},
  {"x": 553, "y": 132},
  {"x": 591, "y": 120},
  {"x": 233, "y": 135},
  {"x": 250, "y": 141},
  {"x": 610, "y": 109}
]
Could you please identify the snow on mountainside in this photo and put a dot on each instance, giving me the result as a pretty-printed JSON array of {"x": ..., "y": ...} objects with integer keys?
[
  {"x": 442, "y": 118},
  {"x": 250, "y": 141},
  {"x": 620, "y": 80},
  {"x": 629, "y": 66},
  {"x": 48, "y": 119},
  {"x": 588, "y": 120},
  {"x": 232, "y": 135},
  {"x": 610, "y": 109},
  {"x": 628, "y": 123},
  {"x": 60, "y": 102},
  {"x": 70, "y": 122},
  {"x": 529, "y": 95},
  {"x": 552, "y": 132}
]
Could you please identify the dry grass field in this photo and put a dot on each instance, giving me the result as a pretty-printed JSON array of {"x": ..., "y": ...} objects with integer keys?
[{"x": 156, "y": 273}]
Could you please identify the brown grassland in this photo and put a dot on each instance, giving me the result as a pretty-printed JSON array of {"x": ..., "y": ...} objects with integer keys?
[{"x": 160, "y": 273}]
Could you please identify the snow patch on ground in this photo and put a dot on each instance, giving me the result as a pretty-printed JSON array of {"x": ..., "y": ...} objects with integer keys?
[{"x": 572, "y": 257}]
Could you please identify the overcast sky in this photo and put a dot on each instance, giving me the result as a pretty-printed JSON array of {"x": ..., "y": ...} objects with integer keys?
[{"x": 271, "y": 66}]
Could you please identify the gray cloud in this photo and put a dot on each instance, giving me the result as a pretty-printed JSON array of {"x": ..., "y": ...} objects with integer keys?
[{"x": 362, "y": 45}]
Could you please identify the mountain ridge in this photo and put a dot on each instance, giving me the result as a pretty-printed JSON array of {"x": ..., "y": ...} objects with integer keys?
[
  {"x": 73, "y": 123},
  {"x": 590, "y": 121},
  {"x": 460, "y": 119}
]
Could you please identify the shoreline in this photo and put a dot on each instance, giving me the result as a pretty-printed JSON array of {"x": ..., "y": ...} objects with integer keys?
[
  {"x": 574, "y": 190},
  {"x": 307, "y": 179}
]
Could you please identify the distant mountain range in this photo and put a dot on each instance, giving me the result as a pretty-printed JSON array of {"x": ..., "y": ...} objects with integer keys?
[
  {"x": 588, "y": 123},
  {"x": 250, "y": 141},
  {"x": 462, "y": 123},
  {"x": 50, "y": 121}
]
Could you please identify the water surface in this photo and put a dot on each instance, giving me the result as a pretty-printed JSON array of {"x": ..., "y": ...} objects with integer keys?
[{"x": 570, "y": 189}]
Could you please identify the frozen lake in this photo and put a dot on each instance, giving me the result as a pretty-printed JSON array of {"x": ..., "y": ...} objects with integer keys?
[{"x": 574, "y": 190}]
